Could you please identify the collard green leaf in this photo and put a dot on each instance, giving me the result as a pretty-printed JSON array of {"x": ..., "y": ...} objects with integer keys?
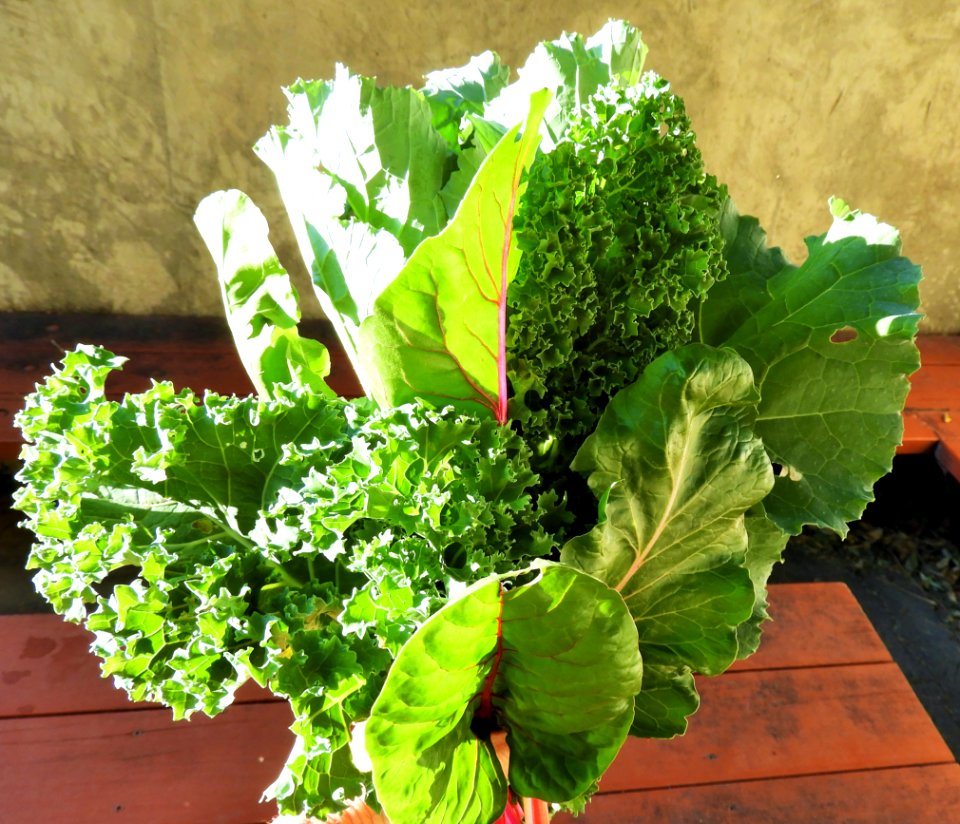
[
  {"x": 831, "y": 344},
  {"x": 667, "y": 698},
  {"x": 260, "y": 302},
  {"x": 572, "y": 68},
  {"x": 377, "y": 144},
  {"x": 438, "y": 331},
  {"x": 455, "y": 93},
  {"x": 553, "y": 661},
  {"x": 677, "y": 462},
  {"x": 360, "y": 169}
]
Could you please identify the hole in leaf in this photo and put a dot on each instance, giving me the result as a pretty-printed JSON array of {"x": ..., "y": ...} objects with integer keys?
[
  {"x": 121, "y": 576},
  {"x": 783, "y": 471},
  {"x": 843, "y": 335},
  {"x": 455, "y": 555}
]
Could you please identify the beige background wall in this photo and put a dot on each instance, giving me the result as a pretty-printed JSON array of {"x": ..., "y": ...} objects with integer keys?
[{"x": 117, "y": 116}]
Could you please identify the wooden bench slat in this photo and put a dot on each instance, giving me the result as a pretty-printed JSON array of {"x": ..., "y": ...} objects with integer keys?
[
  {"x": 939, "y": 349},
  {"x": 918, "y": 795},
  {"x": 918, "y": 435},
  {"x": 198, "y": 352},
  {"x": 46, "y": 668},
  {"x": 935, "y": 386},
  {"x": 141, "y": 767},
  {"x": 948, "y": 455},
  {"x": 803, "y": 615},
  {"x": 778, "y": 723}
]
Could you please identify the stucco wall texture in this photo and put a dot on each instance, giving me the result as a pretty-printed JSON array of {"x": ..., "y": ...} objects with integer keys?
[{"x": 118, "y": 116}]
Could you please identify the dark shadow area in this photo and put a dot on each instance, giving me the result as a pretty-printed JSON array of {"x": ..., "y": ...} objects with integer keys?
[
  {"x": 902, "y": 561},
  {"x": 17, "y": 594}
]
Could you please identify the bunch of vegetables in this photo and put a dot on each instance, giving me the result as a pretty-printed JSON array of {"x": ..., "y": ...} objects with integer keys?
[{"x": 597, "y": 406}]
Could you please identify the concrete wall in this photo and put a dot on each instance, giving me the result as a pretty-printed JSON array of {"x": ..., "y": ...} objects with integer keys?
[{"x": 117, "y": 116}]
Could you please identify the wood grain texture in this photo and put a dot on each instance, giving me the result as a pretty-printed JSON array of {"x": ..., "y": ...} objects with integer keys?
[
  {"x": 803, "y": 616},
  {"x": 918, "y": 435},
  {"x": 779, "y": 723},
  {"x": 939, "y": 349},
  {"x": 46, "y": 668},
  {"x": 909, "y": 795},
  {"x": 199, "y": 353},
  {"x": 140, "y": 767},
  {"x": 820, "y": 725}
]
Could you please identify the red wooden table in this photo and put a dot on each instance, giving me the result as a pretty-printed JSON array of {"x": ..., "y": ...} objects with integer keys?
[
  {"x": 199, "y": 352},
  {"x": 819, "y": 726}
]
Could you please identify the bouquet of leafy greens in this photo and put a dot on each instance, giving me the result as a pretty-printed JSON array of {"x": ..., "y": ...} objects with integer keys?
[{"x": 597, "y": 406}]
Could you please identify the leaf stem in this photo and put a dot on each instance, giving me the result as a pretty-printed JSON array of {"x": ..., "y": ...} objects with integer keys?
[
  {"x": 535, "y": 811},
  {"x": 285, "y": 576}
]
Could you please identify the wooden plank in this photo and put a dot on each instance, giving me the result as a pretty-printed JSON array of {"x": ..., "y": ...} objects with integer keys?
[
  {"x": 918, "y": 795},
  {"x": 803, "y": 617},
  {"x": 46, "y": 668},
  {"x": 939, "y": 349},
  {"x": 779, "y": 723},
  {"x": 142, "y": 768},
  {"x": 935, "y": 386},
  {"x": 190, "y": 352},
  {"x": 198, "y": 352},
  {"x": 918, "y": 435}
]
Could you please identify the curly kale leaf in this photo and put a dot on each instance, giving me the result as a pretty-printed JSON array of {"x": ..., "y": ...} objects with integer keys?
[
  {"x": 621, "y": 232},
  {"x": 297, "y": 540}
]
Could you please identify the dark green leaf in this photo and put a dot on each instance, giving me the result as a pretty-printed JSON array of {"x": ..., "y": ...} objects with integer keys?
[
  {"x": 679, "y": 464},
  {"x": 553, "y": 661},
  {"x": 455, "y": 93},
  {"x": 831, "y": 344}
]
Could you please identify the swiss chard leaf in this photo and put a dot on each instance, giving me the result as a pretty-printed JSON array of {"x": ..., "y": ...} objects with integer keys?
[
  {"x": 260, "y": 302},
  {"x": 438, "y": 331},
  {"x": 677, "y": 463},
  {"x": 831, "y": 345},
  {"x": 553, "y": 661},
  {"x": 766, "y": 542}
]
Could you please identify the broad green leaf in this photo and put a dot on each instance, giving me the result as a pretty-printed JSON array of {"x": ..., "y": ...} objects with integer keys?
[
  {"x": 572, "y": 69},
  {"x": 377, "y": 144},
  {"x": 665, "y": 701},
  {"x": 750, "y": 263},
  {"x": 766, "y": 542},
  {"x": 360, "y": 169},
  {"x": 831, "y": 345},
  {"x": 438, "y": 331},
  {"x": 455, "y": 93},
  {"x": 484, "y": 136},
  {"x": 259, "y": 299},
  {"x": 553, "y": 661},
  {"x": 678, "y": 463},
  {"x": 620, "y": 47}
]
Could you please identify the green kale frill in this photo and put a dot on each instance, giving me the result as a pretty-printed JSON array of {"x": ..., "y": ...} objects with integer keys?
[{"x": 620, "y": 227}]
